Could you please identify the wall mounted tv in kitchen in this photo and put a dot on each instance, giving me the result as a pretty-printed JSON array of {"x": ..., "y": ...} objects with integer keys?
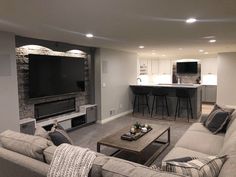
[
  {"x": 55, "y": 75},
  {"x": 187, "y": 67}
]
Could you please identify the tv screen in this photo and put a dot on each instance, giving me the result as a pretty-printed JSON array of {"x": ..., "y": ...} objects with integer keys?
[
  {"x": 187, "y": 67},
  {"x": 55, "y": 75}
]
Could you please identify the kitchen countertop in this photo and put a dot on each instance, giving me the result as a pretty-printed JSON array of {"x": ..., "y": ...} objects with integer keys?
[{"x": 170, "y": 85}]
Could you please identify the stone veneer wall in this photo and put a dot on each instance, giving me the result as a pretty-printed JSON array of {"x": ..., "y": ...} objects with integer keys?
[{"x": 27, "y": 105}]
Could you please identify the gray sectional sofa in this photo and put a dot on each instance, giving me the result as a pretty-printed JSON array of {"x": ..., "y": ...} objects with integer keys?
[{"x": 197, "y": 142}]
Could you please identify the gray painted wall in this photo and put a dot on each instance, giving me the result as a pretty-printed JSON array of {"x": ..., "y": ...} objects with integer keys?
[
  {"x": 226, "y": 94},
  {"x": 9, "y": 108},
  {"x": 97, "y": 77},
  {"x": 115, "y": 71}
]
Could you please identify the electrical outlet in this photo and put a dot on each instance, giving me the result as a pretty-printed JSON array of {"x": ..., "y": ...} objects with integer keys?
[{"x": 121, "y": 106}]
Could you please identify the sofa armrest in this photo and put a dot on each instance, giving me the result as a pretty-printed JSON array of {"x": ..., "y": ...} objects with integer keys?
[{"x": 15, "y": 164}]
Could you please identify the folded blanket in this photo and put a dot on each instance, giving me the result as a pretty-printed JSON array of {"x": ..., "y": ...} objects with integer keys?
[{"x": 71, "y": 161}]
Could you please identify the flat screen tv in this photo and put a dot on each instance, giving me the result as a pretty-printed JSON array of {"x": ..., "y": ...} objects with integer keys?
[
  {"x": 187, "y": 67},
  {"x": 55, "y": 75}
]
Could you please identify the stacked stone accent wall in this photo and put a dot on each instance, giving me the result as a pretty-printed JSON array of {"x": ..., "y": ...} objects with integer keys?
[{"x": 26, "y": 104}]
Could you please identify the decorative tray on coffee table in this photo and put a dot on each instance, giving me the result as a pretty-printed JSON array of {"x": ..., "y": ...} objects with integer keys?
[{"x": 134, "y": 136}]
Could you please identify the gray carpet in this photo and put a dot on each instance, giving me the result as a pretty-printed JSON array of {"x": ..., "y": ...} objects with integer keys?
[{"x": 89, "y": 135}]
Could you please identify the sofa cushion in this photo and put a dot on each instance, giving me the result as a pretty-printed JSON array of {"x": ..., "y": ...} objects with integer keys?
[
  {"x": 107, "y": 166},
  {"x": 40, "y": 131},
  {"x": 209, "y": 166},
  {"x": 232, "y": 118},
  {"x": 229, "y": 147},
  {"x": 202, "y": 142},
  {"x": 231, "y": 126},
  {"x": 229, "y": 167},
  {"x": 178, "y": 152},
  {"x": 31, "y": 146},
  {"x": 199, "y": 127},
  {"x": 121, "y": 168},
  {"x": 48, "y": 153},
  {"x": 96, "y": 170}
]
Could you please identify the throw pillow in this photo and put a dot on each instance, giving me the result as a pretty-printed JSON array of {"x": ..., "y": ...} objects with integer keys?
[
  {"x": 155, "y": 167},
  {"x": 209, "y": 167},
  {"x": 182, "y": 159},
  {"x": 218, "y": 119},
  {"x": 59, "y": 136},
  {"x": 40, "y": 131},
  {"x": 57, "y": 125},
  {"x": 216, "y": 107}
]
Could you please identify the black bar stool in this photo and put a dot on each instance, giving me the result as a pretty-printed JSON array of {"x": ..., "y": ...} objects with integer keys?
[
  {"x": 160, "y": 93},
  {"x": 183, "y": 95},
  {"x": 140, "y": 92}
]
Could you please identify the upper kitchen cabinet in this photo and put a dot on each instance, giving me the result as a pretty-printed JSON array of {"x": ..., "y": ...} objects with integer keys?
[
  {"x": 164, "y": 66},
  {"x": 143, "y": 66},
  {"x": 209, "y": 71},
  {"x": 154, "y": 66},
  {"x": 148, "y": 66},
  {"x": 209, "y": 66}
]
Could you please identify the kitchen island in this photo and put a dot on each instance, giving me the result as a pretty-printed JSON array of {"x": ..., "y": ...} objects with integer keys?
[{"x": 194, "y": 90}]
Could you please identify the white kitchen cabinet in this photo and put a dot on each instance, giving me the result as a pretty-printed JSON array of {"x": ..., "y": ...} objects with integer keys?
[
  {"x": 165, "y": 66},
  {"x": 209, "y": 93},
  {"x": 209, "y": 66},
  {"x": 143, "y": 66},
  {"x": 154, "y": 66}
]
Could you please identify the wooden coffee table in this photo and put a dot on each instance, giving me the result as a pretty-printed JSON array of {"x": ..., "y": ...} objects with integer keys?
[{"x": 114, "y": 140}]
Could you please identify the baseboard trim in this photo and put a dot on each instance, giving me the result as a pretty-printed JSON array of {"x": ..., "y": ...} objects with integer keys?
[{"x": 114, "y": 117}]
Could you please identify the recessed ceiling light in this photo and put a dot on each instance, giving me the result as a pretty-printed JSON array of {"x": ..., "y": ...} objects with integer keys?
[
  {"x": 200, "y": 50},
  {"x": 180, "y": 48},
  {"x": 163, "y": 55},
  {"x": 191, "y": 20},
  {"x": 141, "y": 46},
  {"x": 153, "y": 53},
  {"x": 209, "y": 37},
  {"x": 212, "y": 41},
  {"x": 89, "y": 35},
  {"x": 205, "y": 53}
]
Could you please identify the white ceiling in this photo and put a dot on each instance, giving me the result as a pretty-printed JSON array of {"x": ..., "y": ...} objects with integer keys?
[{"x": 125, "y": 24}]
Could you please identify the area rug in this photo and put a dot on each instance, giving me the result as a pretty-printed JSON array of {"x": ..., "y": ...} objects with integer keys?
[{"x": 89, "y": 136}]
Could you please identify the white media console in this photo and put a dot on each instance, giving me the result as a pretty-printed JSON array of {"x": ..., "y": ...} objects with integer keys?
[{"x": 86, "y": 115}]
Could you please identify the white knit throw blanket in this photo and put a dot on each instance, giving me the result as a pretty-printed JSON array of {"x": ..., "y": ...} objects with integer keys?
[{"x": 71, "y": 161}]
